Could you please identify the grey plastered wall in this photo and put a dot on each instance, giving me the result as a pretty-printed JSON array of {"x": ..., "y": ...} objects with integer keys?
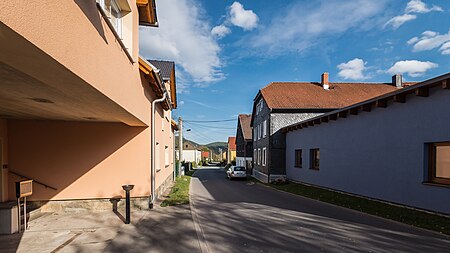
[
  {"x": 379, "y": 154},
  {"x": 277, "y": 138}
]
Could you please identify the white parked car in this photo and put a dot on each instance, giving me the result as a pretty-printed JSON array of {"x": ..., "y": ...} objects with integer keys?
[{"x": 236, "y": 172}]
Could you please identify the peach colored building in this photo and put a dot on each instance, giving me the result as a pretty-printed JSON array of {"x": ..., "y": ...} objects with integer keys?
[{"x": 76, "y": 103}]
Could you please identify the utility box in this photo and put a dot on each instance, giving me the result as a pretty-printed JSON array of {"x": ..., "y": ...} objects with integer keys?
[{"x": 8, "y": 218}]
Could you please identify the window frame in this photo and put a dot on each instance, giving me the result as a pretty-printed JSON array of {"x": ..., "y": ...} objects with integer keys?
[
  {"x": 259, "y": 156},
  {"x": 313, "y": 160},
  {"x": 264, "y": 156},
  {"x": 298, "y": 163},
  {"x": 432, "y": 178},
  {"x": 264, "y": 128},
  {"x": 166, "y": 156}
]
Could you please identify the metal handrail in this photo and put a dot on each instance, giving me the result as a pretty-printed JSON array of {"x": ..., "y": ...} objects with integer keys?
[{"x": 35, "y": 181}]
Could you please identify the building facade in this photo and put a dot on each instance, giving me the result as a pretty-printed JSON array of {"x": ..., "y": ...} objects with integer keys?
[
  {"x": 244, "y": 142},
  {"x": 281, "y": 104},
  {"x": 231, "y": 150},
  {"x": 396, "y": 147},
  {"x": 82, "y": 118}
]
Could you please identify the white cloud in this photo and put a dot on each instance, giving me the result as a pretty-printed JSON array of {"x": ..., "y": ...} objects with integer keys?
[
  {"x": 413, "y": 6},
  {"x": 352, "y": 69},
  {"x": 181, "y": 103},
  {"x": 398, "y": 21},
  {"x": 417, "y": 6},
  {"x": 301, "y": 25},
  {"x": 414, "y": 68},
  {"x": 183, "y": 36},
  {"x": 430, "y": 40},
  {"x": 412, "y": 40},
  {"x": 246, "y": 19},
  {"x": 220, "y": 31},
  {"x": 445, "y": 48}
]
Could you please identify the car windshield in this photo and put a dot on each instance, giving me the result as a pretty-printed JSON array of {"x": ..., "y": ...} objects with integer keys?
[{"x": 239, "y": 169}]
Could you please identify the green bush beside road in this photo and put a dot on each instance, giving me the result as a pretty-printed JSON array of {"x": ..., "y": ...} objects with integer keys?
[{"x": 401, "y": 214}]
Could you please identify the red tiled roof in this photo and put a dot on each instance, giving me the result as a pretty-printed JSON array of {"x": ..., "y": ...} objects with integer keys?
[
  {"x": 308, "y": 95},
  {"x": 232, "y": 143},
  {"x": 245, "y": 120}
]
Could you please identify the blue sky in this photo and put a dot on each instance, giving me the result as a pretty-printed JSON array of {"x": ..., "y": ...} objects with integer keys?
[{"x": 226, "y": 51}]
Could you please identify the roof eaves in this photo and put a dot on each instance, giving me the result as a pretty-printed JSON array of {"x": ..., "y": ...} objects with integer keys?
[{"x": 394, "y": 95}]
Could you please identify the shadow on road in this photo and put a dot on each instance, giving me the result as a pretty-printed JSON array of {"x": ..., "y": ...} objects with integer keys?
[{"x": 236, "y": 214}]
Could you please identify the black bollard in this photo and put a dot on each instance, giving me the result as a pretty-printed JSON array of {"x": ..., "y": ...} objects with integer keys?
[{"x": 127, "y": 189}]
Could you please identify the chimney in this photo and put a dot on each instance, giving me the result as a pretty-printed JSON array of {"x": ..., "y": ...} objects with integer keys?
[
  {"x": 397, "y": 81},
  {"x": 324, "y": 81}
]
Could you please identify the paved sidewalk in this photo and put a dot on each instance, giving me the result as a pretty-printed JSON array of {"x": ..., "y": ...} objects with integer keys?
[{"x": 163, "y": 229}]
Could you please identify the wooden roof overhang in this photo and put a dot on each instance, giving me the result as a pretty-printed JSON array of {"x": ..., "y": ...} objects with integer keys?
[
  {"x": 147, "y": 13},
  {"x": 154, "y": 81}
]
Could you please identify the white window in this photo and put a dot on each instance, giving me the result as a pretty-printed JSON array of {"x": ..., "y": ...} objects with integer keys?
[
  {"x": 264, "y": 157},
  {"x": 259, "y": 131},
  {"x": 167, "y": 156},
  {"x": 114, "y": 13},
  {"x": 255, "y": 155},
  {"x": 254, "y": 134},
  {"x": 264, "y": 128},
  {"x": 157, "y": 158},
  {"x": 259, "y": 156}
]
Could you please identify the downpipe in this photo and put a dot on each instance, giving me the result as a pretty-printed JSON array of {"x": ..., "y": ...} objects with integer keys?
[{"x": 152, "y": 152}]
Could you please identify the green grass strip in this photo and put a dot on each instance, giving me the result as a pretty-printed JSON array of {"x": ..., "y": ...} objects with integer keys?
[
  {"x": 179, "y": 195},
  {"x": 409, "y": 216}
]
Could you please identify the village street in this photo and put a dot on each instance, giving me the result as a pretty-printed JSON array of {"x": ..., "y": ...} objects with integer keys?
[{"x": 242, "y": 216}]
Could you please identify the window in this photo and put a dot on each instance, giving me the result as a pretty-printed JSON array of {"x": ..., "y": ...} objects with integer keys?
[
  {"x": 264, "y": 157},
  {"x": 167, "y": 156},
  {"x": 254, "y": 134},
  {"x": 298, "y": 158},
  {"x": 255, "y": 155},
  {"x": 264, "y": 128},
  {"x": 259, "y": 131},
  {"x": 112, "y": 9},
  {"x": 315, "y": 159},
  {"x": 157, "y": 158},
  {"x": 259, "y": 156},
  {"x": 439, "y": 163}
]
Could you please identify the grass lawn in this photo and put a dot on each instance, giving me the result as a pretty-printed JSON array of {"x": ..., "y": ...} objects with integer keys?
[
  {"x": 179, "y": 195},
  {"x": 405, "y": 215}
]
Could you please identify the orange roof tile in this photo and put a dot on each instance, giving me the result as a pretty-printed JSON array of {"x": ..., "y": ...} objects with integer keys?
[
  {"x": 245, "y": 120},
  {"x": 232, "y": 143},
  {"x": 309, "y": 95}
]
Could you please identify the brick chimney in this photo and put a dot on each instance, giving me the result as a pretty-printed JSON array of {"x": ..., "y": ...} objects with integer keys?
[
  {"x": 397, "y": 80},
  {"x": 324, "y": 81}
]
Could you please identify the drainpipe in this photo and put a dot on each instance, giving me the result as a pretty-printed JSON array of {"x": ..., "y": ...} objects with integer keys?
[{"x": 153, "y": 170}]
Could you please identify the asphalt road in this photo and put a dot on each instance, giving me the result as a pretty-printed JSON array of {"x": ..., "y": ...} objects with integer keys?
[{"x": 241, "y": 216}]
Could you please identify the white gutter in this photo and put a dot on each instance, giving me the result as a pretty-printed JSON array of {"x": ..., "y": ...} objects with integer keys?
[{"x": 153, "y": 169}]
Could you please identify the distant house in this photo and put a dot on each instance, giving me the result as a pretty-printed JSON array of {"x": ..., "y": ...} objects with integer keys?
[
  {"x": 231, "y": 152},
  {"x": 280, "y": 104},
  {"x": 244, "y": 143},
  {"x": 191, "y": 153},
  {"x": 395, "y": 147},
  {"x": 205, "y": 155}
]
